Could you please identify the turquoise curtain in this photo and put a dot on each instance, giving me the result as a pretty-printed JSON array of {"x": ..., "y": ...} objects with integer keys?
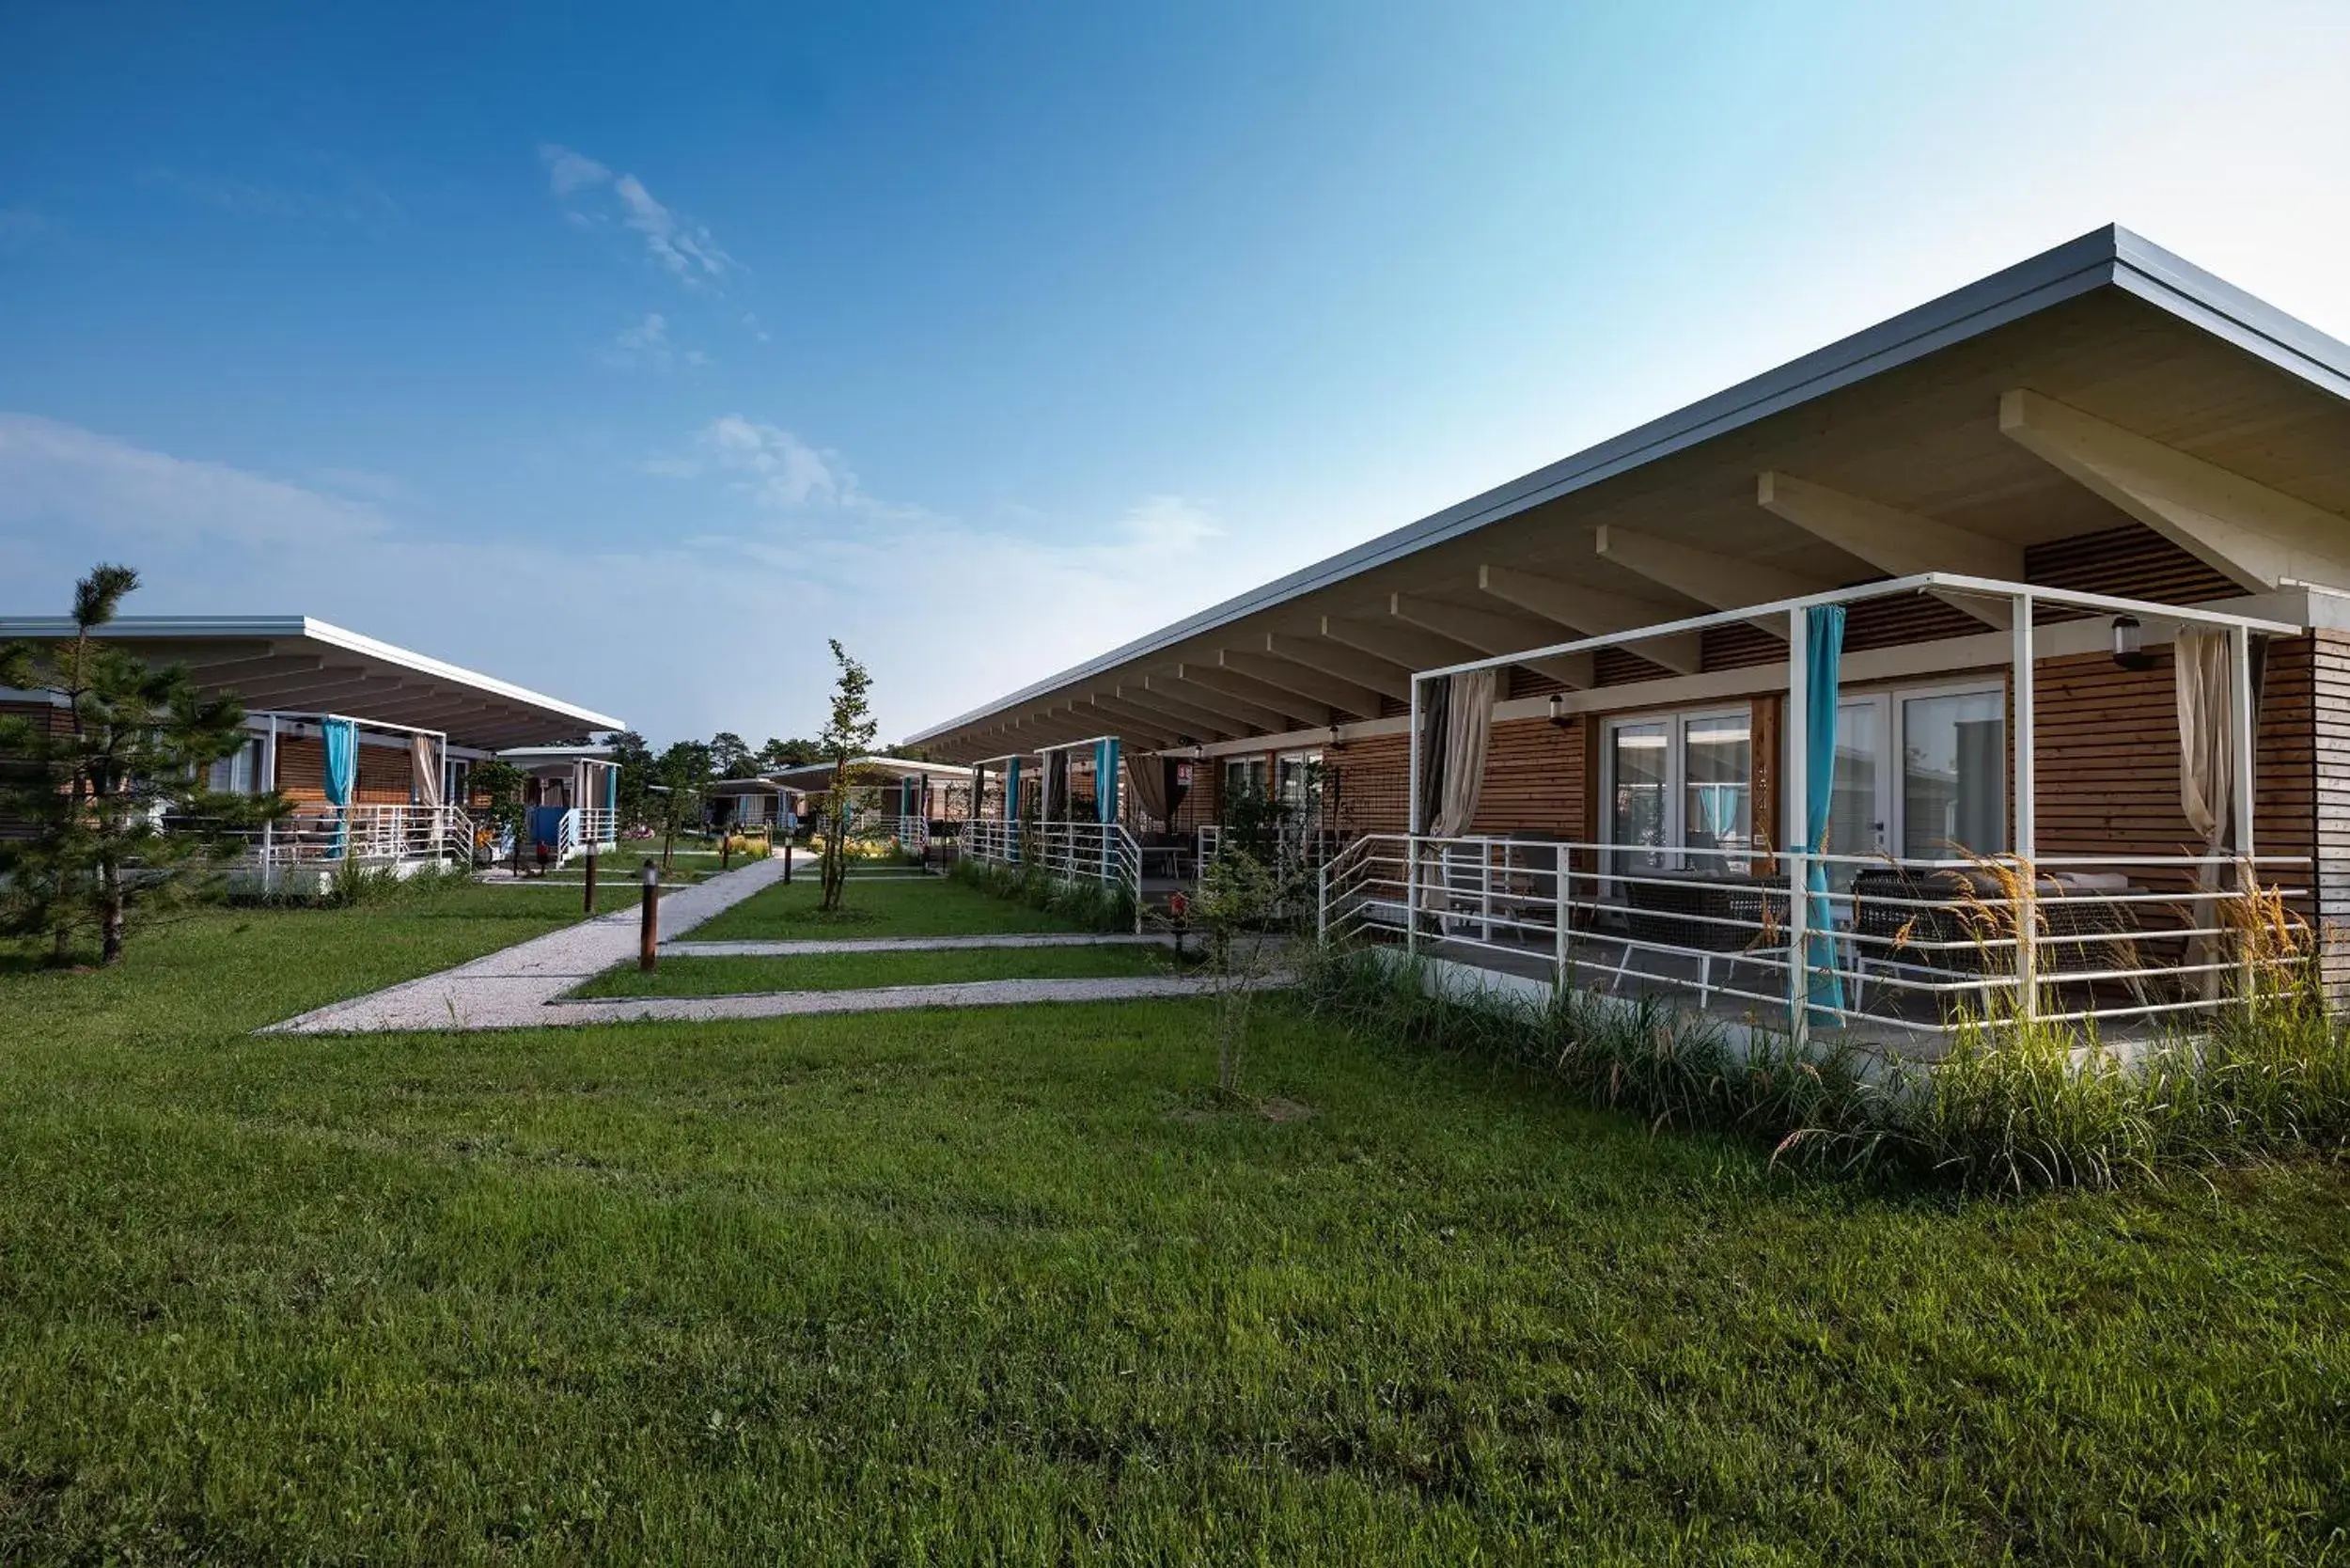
[
  {"x": 342, "y": 738},
  {"x": 1824, "y": 658},
  {"x": 612, "y": 792},
  {"x": 1105, "y": 778},
  {"x": 1012, "y": 808}
]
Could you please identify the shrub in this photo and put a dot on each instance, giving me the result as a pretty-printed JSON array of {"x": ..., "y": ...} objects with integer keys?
[
  {"x": 2012, "y": 1106},
  {"x": 1095, "y": 906}
]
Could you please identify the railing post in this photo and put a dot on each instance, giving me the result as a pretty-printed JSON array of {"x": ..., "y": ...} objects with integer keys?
[
  {"x": 2027, "y": 911},
  {"x": 1559, "y": 892},
  {"x": 2241, "y": 744},
  {"x": 1411, "y": 892},
  {"x": 1795, "y": 816}
]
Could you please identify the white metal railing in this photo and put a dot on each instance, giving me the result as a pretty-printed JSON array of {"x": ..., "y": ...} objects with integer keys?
[
  {"x": 314, "y": 833},
  {"x": 1074, "y": 851},
  {"x": 913, "y": 834},
  {"x": 597, "y": 826},
  {"x": 1906, "y": 944}
]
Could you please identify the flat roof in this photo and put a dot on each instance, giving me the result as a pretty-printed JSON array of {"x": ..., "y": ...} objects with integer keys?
[
  {"x": 2109, "y": 259},
  {"x": 300, "y": 662}
]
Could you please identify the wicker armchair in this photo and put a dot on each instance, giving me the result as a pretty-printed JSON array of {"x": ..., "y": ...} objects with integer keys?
[{"x": 1734, "y": 918}]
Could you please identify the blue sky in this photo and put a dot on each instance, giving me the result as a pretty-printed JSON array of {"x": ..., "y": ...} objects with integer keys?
[{"x": 632, "y": 355}]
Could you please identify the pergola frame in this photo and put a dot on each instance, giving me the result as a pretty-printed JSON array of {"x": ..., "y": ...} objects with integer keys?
[{"x": 2020, "y": 599}]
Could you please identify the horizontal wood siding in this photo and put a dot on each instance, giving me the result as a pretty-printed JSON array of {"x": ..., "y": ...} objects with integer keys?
[
  {"x": 385, "y": 772},
  {"x": 2129, "y": 562},
  {"x": 2329, "y": 685}
]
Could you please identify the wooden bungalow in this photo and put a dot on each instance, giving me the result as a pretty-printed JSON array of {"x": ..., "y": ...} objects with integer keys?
[
  {"x": 2027, "y": 611},
  {"x": 371, "y": 744}
]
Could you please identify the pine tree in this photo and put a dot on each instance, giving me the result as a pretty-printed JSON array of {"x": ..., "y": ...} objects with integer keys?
[
  {"x": 849, "y": 734},
  {"x": 114, "y": 790}
]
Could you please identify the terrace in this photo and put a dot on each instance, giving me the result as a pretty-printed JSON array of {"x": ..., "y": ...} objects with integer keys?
[{"x": 1893, "y": 881}]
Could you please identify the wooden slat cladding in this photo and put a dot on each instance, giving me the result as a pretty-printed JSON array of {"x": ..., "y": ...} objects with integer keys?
[
  {"x": 2329, "y": 690},
  {"x": 1621, "y": 666},
  {"x": 1373, "y": 781},
  {"x": 1534, "y": 781},
  {"x": 2108, "y": 758},
  {"x": 2129, "y": 562},
  {"x": 1738, "y": 645},
  {"x": 385, "y": 772}
]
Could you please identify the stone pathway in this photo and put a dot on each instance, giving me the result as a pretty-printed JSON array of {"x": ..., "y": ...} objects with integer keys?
[
  {"x": 512, "y": 988},
  {"x": 523, "y": 987}
]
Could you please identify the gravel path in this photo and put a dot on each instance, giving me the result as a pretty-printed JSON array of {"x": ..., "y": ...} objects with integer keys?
[{"x": 512, "y": 988}]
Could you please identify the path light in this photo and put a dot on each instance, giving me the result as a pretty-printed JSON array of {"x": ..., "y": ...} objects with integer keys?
[{"x": 649, "y": 930}]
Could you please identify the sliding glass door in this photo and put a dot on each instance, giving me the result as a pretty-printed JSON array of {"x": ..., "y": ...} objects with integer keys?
[
  {"x": 1680, "y": 783},
  {"x": 1954, "y": 773}
]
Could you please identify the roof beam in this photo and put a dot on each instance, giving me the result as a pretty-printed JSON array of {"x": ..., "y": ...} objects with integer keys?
[
  {"x": 1493, "y": 633},
  {"x": 1130, "y": 717},
  {"x": 1315, "y": 716},
  {"x": 1897, "y": 543},
  {"x": 1154, "y": 731},
  {"x": 323, "y": 678},
  {"x": 1367, "y": 670},
  {"x": 1595, "y": 612},
  {"x": 1724, "y": 582},
  {"x": 1207, "y": 726},
  {"x": 1302, "y": 682},
  {"x": 1399, "y": 642},
  {"x": 1208, "y": 700},
  {"x": 2258, "y": 536}
]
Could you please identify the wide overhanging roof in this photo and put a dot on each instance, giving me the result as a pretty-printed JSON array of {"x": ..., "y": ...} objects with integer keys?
[
  {"x": 902, "y": 766},
  {"x": 294, "y": 664},
  {"x": 1907, "y": 423}
]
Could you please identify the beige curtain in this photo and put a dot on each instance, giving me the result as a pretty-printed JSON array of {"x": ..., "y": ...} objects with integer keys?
[
  {"x": 424, "y": 764},
  {"x": 1146, "y": 779},
  {"x": 2206, "y": 770},
  {"x": 1469, "y": 728}
]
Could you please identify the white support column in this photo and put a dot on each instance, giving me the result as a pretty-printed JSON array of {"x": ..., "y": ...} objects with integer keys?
[
  {"x": 2241, "y": 741},
  {"x": 269, "y": 785},
  {"x": 2027, "y": 911},
  {"x": 1411, "y": 831},
  {"x": 1793, "y": 816}
]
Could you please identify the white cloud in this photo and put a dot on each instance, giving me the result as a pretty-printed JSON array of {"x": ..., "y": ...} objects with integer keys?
[
  {"x": 594, "y": 194},
  {"x": 647, "y": 345},
  {"x": 52, "y": 472},
  {"x": 779, "y": 550},
  {"x": 770, "y": 464}
]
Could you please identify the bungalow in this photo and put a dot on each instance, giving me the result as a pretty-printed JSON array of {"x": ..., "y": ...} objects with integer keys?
[
  {"x": 371, "y": 744},
  {"x": 570, "y": 798},
  {"x": 910, "y": 798},
  {"x": 1996, "y": 656}
]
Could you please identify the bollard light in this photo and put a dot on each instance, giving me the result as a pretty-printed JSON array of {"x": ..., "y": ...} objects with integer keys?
[{"x": 649, "y": 928}]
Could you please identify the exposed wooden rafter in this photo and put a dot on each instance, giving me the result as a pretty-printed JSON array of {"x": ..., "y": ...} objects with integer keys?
[
  {"x": 1491, "y": 633},
  {"x": 1724, "y": 582},
  {"x": 2258, "y": 536},
  {"x": 1594, "y": 612},
  {"x": 1897, "y": 543},
  {"x": 1309, "y": 712}
]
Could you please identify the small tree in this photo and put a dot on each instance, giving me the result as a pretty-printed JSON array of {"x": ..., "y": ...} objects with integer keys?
[
  {"x": 633, "y": 760},
  {"x": 848, "y": 733},
  {"x": 123, "y": 825},
  {"x": 684, "y": 771}
]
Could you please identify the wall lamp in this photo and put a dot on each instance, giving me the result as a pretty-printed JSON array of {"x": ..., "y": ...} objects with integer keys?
[
  {"x": 2129, "y": 643},
  {"x": 1558, "y": 709}
]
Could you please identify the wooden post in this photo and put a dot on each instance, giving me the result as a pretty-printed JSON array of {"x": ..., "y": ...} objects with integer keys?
[
  {"x": 649, "y": 926},
  {"x": 590, "y": 904}
]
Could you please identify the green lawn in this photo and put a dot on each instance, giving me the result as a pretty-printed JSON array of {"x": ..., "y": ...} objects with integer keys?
[
  {"x": 933, "y": 906},
  {"x": 1017, "y": 1286},
  {"x": 718, "y": 977}
]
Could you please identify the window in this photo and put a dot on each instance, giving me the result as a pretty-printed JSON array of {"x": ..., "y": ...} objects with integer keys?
[
  {"x": 1243, "y": 775},
  {"x": 1954, "y": 773},
  {"x": 1297, "y": 780},
  {"x": 239, "y": 773},
  {"x": 1678, "y": 784}
]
